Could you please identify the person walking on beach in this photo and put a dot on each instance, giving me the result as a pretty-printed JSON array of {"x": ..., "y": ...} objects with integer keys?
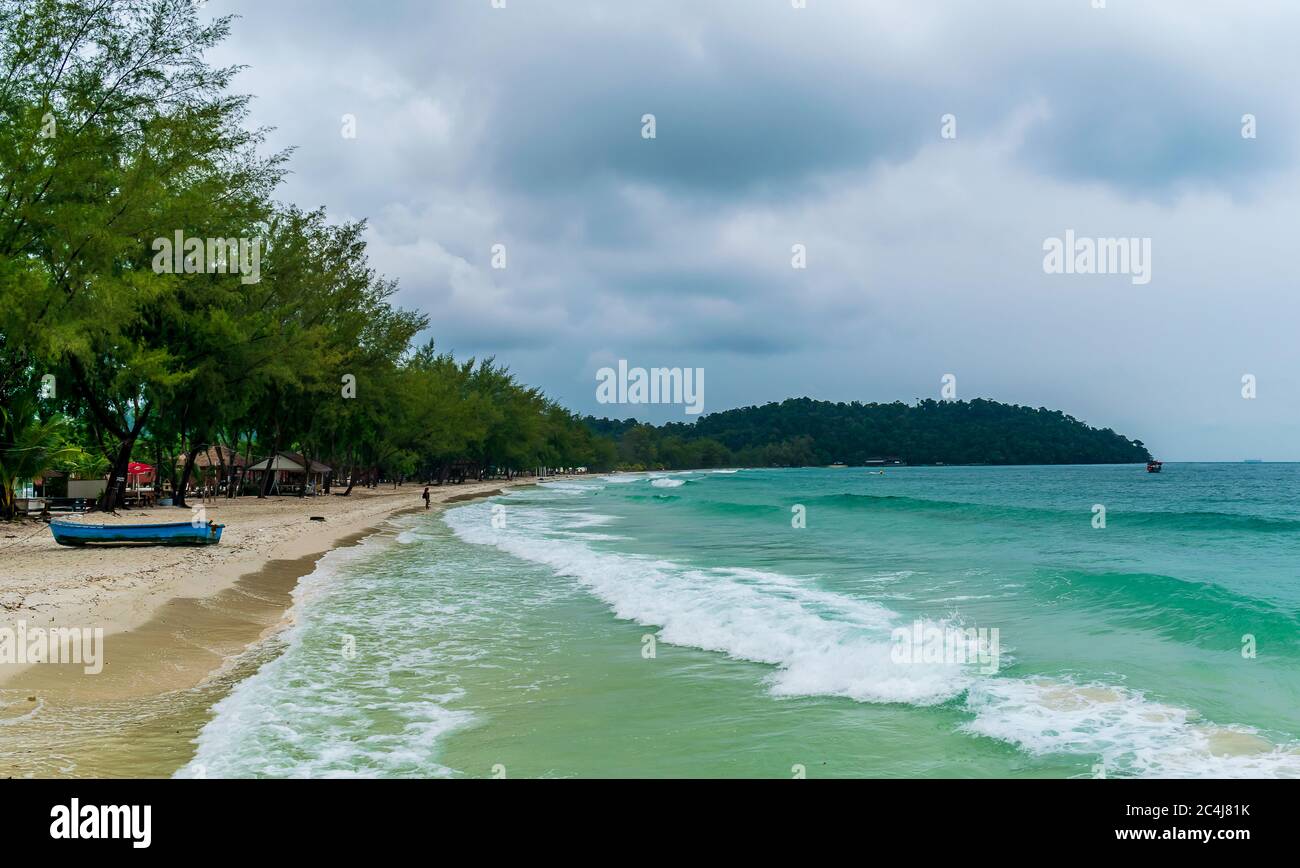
[{"x": 426, "y": 497}]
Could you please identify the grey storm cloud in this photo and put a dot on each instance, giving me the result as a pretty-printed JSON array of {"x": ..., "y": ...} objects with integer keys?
[{"x": 819, "y": 126}]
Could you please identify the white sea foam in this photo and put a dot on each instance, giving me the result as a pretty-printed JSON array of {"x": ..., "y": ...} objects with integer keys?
[
  {"x": 292, "y": 718},
  {"x": 665, "y": 482},
  {"x": 821, "y": 643},
  {"x": 592, "y": 537},
  {"x": 572, "y": 487},
  {"x": 1129, "y": 733},
  {"x": 888, "y": 577},
  {"x": 576, "y": 520},
  {"x": 25, "y": 711},
  {"x": 825, "y": 643}
]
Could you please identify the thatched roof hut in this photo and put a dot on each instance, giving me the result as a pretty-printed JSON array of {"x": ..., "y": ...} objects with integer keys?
[
  {"x": 216, "y": 456},
  {"x": 291, "y": 467}
]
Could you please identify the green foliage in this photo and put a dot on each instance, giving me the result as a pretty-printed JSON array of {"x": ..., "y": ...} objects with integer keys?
[
  {"x": 29, "y": 447},
  {"x": 803, "y": 432},
  {"x": 115, "y": 132}
]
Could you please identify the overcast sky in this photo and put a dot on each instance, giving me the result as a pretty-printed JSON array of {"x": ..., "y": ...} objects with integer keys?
[{"x": 821, "y": 126}]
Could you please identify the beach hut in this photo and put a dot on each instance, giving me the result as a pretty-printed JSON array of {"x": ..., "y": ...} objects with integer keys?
[
  {"x": 217, "y": 457},
  {"x": 291, "y": 472},
  {"x": 218, "y": 465}
]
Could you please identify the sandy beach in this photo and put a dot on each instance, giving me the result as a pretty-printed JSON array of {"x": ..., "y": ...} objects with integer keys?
[
  {"x": 173, "y": 620},
  {"x": 119, "y": 588}
]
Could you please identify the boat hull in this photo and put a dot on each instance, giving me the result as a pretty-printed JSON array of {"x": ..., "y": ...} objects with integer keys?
[{"x": 181, "y": 533}]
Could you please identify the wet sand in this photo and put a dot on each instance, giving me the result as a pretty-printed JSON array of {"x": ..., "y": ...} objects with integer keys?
[
  {"x": 165, "y": 665},
  {"x": 137, "y": 717}
]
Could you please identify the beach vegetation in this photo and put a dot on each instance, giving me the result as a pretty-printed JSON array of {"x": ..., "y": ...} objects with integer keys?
[
  {"x": 802, "y": 432},
  {"x": 116, "y": 132}
]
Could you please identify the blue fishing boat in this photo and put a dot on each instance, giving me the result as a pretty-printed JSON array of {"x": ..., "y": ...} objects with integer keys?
[{"x": 180, "y": 533}]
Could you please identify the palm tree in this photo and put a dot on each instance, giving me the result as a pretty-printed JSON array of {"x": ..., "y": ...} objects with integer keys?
[{"x": 30, "y": 446}]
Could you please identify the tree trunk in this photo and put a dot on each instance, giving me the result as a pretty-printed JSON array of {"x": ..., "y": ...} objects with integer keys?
[
  {"x": 157, "y": 467},
  {"x": 117, "y": 482},
  {"x": 306, "y": 471},
  {"x": 248, "y": 457},
  {"x": 352, "y": 474},
  {"x": 269, "y": 476},
  {"x": 117, "y": 476},
  {"x": 179, "y": 498},
  {"x": 221, "y": 464}
]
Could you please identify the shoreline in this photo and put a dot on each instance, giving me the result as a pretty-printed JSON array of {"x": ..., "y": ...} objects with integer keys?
[{"x": 177, "y": 625}]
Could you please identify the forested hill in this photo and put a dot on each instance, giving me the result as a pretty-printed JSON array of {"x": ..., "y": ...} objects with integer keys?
[{"x": 804, "y": 432}]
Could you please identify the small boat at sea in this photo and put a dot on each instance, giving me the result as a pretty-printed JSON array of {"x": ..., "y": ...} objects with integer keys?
[
  {"x": 180, "y": 533},
  {"x": 1154, "y": 466}
]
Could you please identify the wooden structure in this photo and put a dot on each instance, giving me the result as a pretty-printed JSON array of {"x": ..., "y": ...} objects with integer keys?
[{"x": 291, "y": 473}]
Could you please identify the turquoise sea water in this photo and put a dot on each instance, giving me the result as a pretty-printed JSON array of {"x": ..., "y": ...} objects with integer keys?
[{"x": 678, "y": 625}]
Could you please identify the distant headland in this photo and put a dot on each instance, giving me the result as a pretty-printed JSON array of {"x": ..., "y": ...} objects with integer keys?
[{"x": 802, "y": 432}]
